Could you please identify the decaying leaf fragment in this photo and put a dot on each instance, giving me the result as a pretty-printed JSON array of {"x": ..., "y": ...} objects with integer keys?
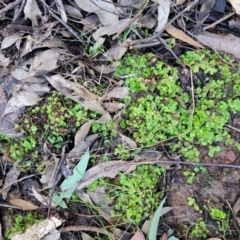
[
  {"x": 37, "y": 231},
  {"x": 79, "y": 94},
  {"x": 109, "y": 169},
  {"x": 163, "y": 12},
  {"x": 225, "y": 43},
  {"x": 179, "y": 34},
  {"x": 106, "y": 11},
  {"x": 236, "y": 209},
  {"x": 32, "y": 12}
]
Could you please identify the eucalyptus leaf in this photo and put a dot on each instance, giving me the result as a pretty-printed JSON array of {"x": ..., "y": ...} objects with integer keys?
[
  {"x": 69, "y": 185},
  {"x": 155, "y": 221}
]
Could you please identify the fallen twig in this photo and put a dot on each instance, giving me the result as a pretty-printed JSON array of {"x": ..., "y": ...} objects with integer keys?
[
  {"x": 156, "y": 35},
  {"x": 10, "y": 6}
]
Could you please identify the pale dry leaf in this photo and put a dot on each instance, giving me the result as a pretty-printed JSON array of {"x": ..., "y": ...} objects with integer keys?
[
  {"x": 236, "y": 5},
  {"x": 147, "y": 22},
  {"x": 113, "y": 106},
  {"x": 236, "y": 209},
  {"x": 10, "y": 40},
  {"x": 90, "y": 23},
  {"x": 101, "y": 199},
  {"x": 81, "y": 147},
  {"x": 73, "y": 12},
  {"x": 45, "y": 44},
  {"x": 85, "y": 236},
  {"x": 44, "y": 62},
  {"x": 118, "y": 50},
  {"x": 128, "y": 5},
  {"x": 179, "y": 2},
  {"x": 79, "y": 94},
  {"x": 111, "y": 29},
  {"x": 42, "y": 199},
  {"x": 47, "y": 178},
  {"x": 4, "y": 61},
  {"x": 106, "y": 69},
  {"x": 128, "y": 142},
  {"x": 138, "y": 236},
  {"x": 32, "y": 12},
  {"x": 11, "y": 177},
  {"x": 25, "y": 205},
  {"x": 106, "y": 11},
  {"x": 164, "y": 237},
  {"x": 109, "y": 169},
  {"x": 163, "y": 13},
  {"x": 39, "y": 230},
  {"x": 118, "y": 92},
  {"x": 19, "y": 73},
  {"x": 98, "y": 43},
  {"x": 179, "y": 34},
  {"x": 85, "y": 197},
  {"x": 82, "y": 132},
  {"x": 225, "y": 43},
  {"x": 53, "y": 235}
]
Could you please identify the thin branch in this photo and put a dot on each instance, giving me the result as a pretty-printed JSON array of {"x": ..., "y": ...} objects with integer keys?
[{"x": 10, "y": 6}]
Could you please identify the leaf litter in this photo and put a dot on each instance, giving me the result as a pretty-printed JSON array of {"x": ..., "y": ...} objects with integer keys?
[{"x": 38, "y": 63}]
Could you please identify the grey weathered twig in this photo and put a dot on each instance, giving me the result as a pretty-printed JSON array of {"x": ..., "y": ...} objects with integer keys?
[{"x": 10, "y": 6}]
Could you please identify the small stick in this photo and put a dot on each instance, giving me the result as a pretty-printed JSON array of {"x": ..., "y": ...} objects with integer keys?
[
  {"x": 62, "y": 22},
  {"x": 130, "y": 22},
  {"x": 10, "y": 6},
  {"x": 19, "y": 11},
  {"x": 146, "y": 45},
  {"x": 171, "y": 51},
  {"x": 149, "y": 39},
  {"x": 218, "y": 21},
  {"x": 19, "y": 180},
  {"x": 61, "y": 10}
]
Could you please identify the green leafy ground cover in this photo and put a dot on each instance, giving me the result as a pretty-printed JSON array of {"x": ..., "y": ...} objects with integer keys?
[{"x": 159, "y": 109}]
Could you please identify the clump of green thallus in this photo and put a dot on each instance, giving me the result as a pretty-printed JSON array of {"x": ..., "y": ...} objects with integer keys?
[
  {"x": 54, "y": 121},
  {"x": 135, "y": 195},
  {"x": 21, "y": 223},
  {"x": 160, "y": 109}
]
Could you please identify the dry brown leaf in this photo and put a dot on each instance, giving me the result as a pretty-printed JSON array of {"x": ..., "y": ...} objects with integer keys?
[
  {"x": 80, "y": 148},
  {"x": 44, "y": 62},
  {"x": 106, "y": 11},
  {"x": 163, "y": 12},
  {"x": 25, "y": 205},
  {"x": 128, "y": 142},
  {"x": 11, "y": 177},
  {"x": 106, "y": 69},
  {"x": 100, "y": 198},
  {"x": 73, "y": 12},
  {"x": 4, "y": 61},
  {"x": 118, "y": 92},
  {"x": 37, "y": 231},
  {"x": 228, "y": 43},
  {"x": 90, "y": 23},
  {"x": 147, "y": 22},
  {"x": 111, "y": 29},
  {"x": 82, "y": 132},
  {"x": 45, "y": 44},
  {"x": 113, "y": 106},
  {"x": 32, "y": 12},
  {"x": 79, "y": 94},
  {"x": 118, "y": 50},
  {"x": 179, "y": 34},
  {"x": 138, "y": 236},
  {"x": 236, "y": 5},
  {"x": 164, "y": 237},
  {"x": 108, "y": 169},
  {"x": 10, "y": 40},
  {"x": 85, "y": 236}
]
